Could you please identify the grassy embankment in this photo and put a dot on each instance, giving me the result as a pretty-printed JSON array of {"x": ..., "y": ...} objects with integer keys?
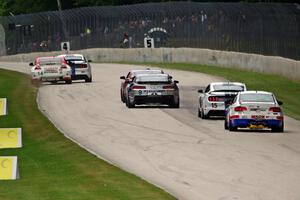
[
  {"x": 285, "y": 90},
  {"x": 53, "y": 167}
]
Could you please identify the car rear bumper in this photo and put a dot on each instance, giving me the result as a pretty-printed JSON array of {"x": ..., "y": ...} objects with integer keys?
[
  {"x": 163, "y": 99},
  {"x": 80, "y": 77},
  {"x": 246, "y": 123},
  {"x": 220, "y": 113}
]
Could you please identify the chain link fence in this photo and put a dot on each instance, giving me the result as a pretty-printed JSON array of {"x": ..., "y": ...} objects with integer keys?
[{"x": 261, "y": 28}]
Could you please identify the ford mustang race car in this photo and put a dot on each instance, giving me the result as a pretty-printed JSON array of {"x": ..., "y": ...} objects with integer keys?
[
  {"x": 50, "y": 69},
  {"x": 211, "y": 101},
  {"x": 254, "y": 110},
  {"x": 153, "y": 88},
  {"x": 129, "y": 77},
  {"x": 81, "y": 68}
]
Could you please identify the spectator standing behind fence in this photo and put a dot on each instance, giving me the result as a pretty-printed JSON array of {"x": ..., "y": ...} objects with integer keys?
[{"x": 125, "y": 41}]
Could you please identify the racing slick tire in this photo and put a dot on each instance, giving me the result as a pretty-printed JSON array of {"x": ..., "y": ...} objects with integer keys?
[
  {"x": 175, "y": 104},
  {"x": 225, "y": 125},
  {"x": 69, "y": 81},
  {"x": 88, "y": 80},
  {"x": 202, "y": 115},
  {"x": 130, "y": 104},
  {"x": 231, "y": 128},
  {"x": 278, "y": 129},
  {"x": 199, "y": 113},
  {"x": 122, "y": 97}
]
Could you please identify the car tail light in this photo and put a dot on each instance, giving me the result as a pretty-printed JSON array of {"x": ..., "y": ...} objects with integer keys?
[
  {"x": 212, "y": 98},
  {"x": 275, "y": 109},
  {"x": 63, "y": 61},
  {"x": 168, "y": 87},
  {"x": 83, "y": 66},
  {"x": 279, "y": 118},
  {"x": 136, "y": 87},
  {"x": 63, "y": 67},
  {"x": 240, "y": 109},
  {"x": 37, "y": 67},
  {"x": 234, "y": 117}
]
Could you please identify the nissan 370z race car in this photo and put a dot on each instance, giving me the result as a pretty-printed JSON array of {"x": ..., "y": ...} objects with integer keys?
[
  {"x": 254, "y": 110},
  {"x": 153, "y": 88},
  {"x": 212, "y": 100},
  {"x": 50, "y": 69}
]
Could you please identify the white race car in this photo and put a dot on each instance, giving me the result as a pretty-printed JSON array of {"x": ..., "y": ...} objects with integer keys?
[
  {"x": 50, "y": 69},
  {"x": 254, "y": 110},
  {"x": 80, "y": 66},
  {"x": 212, "y": 100}
]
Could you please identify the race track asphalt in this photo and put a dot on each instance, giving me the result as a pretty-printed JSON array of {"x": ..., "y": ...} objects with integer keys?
[{"x": 191, "y": 158}]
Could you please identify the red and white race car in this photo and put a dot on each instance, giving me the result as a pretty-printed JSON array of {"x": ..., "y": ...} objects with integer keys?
[{"x": 50, "y": 69}]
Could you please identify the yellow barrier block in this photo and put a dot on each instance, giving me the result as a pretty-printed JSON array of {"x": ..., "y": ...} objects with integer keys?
[
  {"x": 10, "y": 138},
  {"x": 3, "y": 109},
  {"x": 8, "y": 167}
]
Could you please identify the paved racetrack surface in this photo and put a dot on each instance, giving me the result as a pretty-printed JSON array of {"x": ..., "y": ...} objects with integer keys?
[{"x": 191, "y": 158}]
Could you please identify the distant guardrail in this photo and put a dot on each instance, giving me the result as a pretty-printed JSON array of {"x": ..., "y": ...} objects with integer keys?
[{"x": 251, "y": 62}]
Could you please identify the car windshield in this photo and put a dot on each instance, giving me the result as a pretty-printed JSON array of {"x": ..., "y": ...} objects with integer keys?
[
  {"x": 74, "y": 58},
  {"x": 152, "y": 78},
  {"x": 256, "y": 98},
  {"x": 228, "y": 88}
]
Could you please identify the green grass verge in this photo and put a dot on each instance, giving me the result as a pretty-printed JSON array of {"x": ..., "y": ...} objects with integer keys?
[
  {"x": 285, "y": 90},
  {"x": 53, "y": 167}
]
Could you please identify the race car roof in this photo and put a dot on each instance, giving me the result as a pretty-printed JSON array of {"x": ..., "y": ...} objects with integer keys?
[
  {"x": 227, "y": 83},
  {"x": 72, "y": 56},
  {"x": 147, "y": 71},
  {"x": 255, "y": 92}
]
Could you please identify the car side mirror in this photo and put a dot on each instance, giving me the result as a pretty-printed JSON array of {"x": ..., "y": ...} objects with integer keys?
[
  {"x": 200, "y": 91},
  {"x": 31, "y": 64},
  {"x": 122, "y": 77},
  {"x": 90, "y": 61},
  {"x": 175, "y": 81},
  {"x": 170, "y": 77},
  {"x": 280, "y": 102}
]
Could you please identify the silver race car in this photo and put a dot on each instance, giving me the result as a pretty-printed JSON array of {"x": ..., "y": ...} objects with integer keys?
[
  {"x": 129, "y": 77},
  {"x": 80, "y": 66},
  {"x": 212, "y": 100},
  {"x": 153, "y": 88},
  {"x": 254, "y": 110}
]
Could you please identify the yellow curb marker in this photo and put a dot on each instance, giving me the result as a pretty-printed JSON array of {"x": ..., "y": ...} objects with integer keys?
[
  {"x": 3, "y": 109},
  {"x": 10, "y": 138},
  {"x": 8, "y": 167}
]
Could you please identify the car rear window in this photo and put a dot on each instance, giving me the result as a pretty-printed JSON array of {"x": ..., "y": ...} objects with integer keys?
[
  {"x": 256, "y": 98},
  {"x": 50, "y": 61},
  {"x": 73, "y": 58},
  {"x": 149, "y": 79},
  {"x": 228, "y": 87}
]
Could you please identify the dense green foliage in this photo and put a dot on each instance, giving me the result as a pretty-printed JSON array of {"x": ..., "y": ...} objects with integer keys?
[
  {"x": 15, "y": 7},
  {"x": 51, "y": 166}
]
